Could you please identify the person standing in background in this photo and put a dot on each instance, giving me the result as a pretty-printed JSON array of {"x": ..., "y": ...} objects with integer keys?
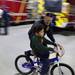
[
  {"x": 1, "y": 12},
  {"x": 6, "y": 20}
]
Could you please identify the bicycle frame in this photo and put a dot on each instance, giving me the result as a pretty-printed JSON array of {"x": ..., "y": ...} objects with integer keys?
[
  {"x": 29, "y": 65},
  {"x": 34, "y": 65}
]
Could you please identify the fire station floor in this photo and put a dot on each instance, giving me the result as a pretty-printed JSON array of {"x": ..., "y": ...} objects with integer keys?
[{"x": 17, "y": 41}]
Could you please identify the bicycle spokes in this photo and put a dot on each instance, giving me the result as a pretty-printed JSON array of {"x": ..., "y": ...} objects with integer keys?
[{"x": 60, "y": 71}]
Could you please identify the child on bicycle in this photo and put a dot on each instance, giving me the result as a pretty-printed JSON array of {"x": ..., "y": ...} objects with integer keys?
[{"x": 39, "y": 49}]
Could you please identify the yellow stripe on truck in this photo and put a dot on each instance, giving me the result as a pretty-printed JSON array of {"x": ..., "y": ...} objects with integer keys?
[
  {"x": 61, "y": 20},
  {"x": 65, "y": 0},
  {"x": 21, "y": 10}
]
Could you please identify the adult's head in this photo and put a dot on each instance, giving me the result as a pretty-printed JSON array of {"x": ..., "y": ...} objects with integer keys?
[{"x": 48, "y": 18}]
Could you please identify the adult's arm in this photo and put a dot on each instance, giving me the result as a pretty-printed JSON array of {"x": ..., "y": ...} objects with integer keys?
[{"x": 50, "y": 35}]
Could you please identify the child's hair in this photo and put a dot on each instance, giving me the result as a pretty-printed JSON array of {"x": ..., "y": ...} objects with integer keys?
[{"x": 38, "y": 27}]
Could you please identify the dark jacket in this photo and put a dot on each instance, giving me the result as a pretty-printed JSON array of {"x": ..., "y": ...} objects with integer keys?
[
  {"x": 37, "y": 45},
  {"x": 49, "y": 32}
]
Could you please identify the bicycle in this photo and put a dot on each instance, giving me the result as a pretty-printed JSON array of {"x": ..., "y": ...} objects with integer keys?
[{"x": 56, "y": 68}]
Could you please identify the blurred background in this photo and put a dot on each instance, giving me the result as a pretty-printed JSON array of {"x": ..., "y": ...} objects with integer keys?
[
  {"x": 27, "y": 11},
  {"x": 17, "y": 17}
]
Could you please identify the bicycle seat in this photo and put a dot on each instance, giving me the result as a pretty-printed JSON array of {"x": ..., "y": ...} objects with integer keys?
[{"x": 29, "y": 53}]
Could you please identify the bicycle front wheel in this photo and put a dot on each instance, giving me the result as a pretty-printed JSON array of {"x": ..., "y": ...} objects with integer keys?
[
  {"x": 63, "y": 69},
  {"x": 22, "y": 65}
]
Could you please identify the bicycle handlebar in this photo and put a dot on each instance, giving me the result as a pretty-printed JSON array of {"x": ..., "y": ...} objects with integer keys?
[{"x": 59, "y": 50}]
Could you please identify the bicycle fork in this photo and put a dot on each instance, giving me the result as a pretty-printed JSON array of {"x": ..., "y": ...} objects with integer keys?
[
  {"x": 36, "y": 71},
  {"x": 59, "y": 69}
]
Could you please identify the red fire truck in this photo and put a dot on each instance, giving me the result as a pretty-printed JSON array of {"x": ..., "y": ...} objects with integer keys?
[{"x": 19, "y": 10}]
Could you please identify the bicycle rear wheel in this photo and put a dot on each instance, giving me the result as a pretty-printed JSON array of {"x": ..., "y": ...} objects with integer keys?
[
  {"x": 64, "y": 69},
  {"x": 22, "y": 65}
]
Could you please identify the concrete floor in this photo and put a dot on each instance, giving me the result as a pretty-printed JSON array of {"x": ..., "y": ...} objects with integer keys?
[{"x": 17, "y": 42}]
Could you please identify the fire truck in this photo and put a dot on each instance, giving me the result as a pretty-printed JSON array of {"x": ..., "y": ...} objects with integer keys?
[
  {"x": 30, "y": 10},
  {"x": 17, "y": 9}
]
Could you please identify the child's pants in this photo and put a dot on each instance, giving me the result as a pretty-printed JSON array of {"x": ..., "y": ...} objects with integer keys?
[
  {"x": 45, "y": 62},
  {"x": 45, "y": 67}
]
